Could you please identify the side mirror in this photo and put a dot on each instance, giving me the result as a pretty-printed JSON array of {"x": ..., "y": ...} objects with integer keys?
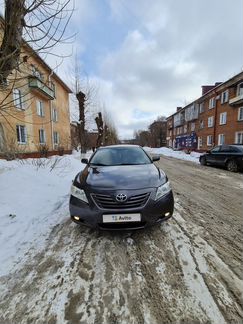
[
  {"x": 155, "y": 158},
  {"x": 85, "y": 161}
]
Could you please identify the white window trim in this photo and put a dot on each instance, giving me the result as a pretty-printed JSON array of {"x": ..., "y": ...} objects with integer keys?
[
  {"x": 44, "y": 136},
  {"x": 209, "y": 136},
  {"x": 239, "y": 110},
  {"x": 219, "y": 139},
  {"x": 58, "y": 138},
  {"x": 18, "y": 129},
  {"x": 212, "y": 119},
  {"x": 54, "y": 115},
  {"x": 236, "y": 137},
  {"x": 40, "y": 108},
  {"x": 225, "y": 96},
  {"x": 212, "y": 102},
  {"x": 222, "y": 119},
  {"x": 18, "y": 98}
]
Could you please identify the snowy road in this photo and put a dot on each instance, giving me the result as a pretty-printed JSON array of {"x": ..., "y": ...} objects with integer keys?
[{"x": 188, "y": 270}]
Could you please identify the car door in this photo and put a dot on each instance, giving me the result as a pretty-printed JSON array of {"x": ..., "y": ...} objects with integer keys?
[
  {"x": 224, "y": 153},
  {"x": 213, "y": 156}
]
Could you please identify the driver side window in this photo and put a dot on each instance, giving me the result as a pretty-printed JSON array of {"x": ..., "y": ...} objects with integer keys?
[{"x": 216, "y": 149}]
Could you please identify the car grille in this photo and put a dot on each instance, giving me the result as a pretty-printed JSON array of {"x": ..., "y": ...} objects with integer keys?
[{"x": 109, "y": 202}]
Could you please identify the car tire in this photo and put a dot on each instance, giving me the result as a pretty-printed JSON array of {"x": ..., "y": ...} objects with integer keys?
[
  {"x": 232, "y": 166},
  {"x": 203, "y": 161}
]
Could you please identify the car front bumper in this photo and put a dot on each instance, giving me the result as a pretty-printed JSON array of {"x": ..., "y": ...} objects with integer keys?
[{"x": 153, "y": 212}]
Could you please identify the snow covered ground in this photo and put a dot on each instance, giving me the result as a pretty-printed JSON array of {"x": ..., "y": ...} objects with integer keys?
[
  {"x": 193, "y": 156},
  {"x": 33, "y": 198}
]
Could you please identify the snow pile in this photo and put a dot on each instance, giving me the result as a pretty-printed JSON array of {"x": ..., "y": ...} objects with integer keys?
[
  {"x": 34, "y": 195},
  {"x": 193, "y": 156}
]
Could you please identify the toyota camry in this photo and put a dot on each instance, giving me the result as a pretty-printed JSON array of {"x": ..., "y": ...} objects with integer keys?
[{"x": 121, "y": 188}]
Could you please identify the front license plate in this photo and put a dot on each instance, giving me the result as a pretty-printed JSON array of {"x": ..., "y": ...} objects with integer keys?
[{"x": 121, "y": 218}]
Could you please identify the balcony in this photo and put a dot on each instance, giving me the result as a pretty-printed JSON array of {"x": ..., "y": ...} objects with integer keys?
[
  {"x": 238, "y": 100},
  {"x": 37, "y": 85}
]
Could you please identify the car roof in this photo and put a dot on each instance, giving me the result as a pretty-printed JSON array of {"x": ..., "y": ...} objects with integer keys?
[{"x": 119, "y": 146}]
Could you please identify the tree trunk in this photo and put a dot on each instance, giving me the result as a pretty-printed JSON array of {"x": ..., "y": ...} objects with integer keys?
[
  {"x": 12, "y": 38},
  {"x": 81, "y": 125},
  {"x": 100, "y": 127}
]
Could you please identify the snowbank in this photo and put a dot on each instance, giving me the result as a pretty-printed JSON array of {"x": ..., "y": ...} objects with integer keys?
[
  {"x": 193, "y": 156},
  {"x": 34, "y": 196}
]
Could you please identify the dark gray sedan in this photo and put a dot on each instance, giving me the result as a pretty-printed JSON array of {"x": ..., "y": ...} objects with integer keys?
[{"x": 121, "y": 188}]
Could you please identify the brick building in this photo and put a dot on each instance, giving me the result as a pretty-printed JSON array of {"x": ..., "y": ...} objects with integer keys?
[
  {"x": 34, "y": 107},
  {"x": 214, "y": 118}
]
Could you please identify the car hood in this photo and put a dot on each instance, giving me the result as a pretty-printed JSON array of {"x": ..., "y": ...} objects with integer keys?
[{"x": 122, "y": 177}]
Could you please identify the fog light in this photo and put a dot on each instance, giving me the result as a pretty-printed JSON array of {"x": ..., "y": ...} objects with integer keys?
[
  {"x": 76, "y": 218},
  {"x": 167, "y": 214}
]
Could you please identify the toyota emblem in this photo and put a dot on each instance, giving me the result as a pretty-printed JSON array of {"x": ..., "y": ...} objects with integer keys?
[{"x": 121, "y": 197}]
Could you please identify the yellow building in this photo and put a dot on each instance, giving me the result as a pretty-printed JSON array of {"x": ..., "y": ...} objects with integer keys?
[{"x": 34, "y": 108}]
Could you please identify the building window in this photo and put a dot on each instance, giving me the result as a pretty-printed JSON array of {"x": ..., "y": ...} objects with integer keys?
[
  {"x": 239, "y": 91},
  {"x": 240, "y": 113},
  {"x": 40, "y": 108},
  {"x": 221, "y": 139},
  {"x": 201, "y": 124},
  {"x": 210, "y": 121},
  {"x": 18, "y": 99},
  {"x": 200, "y": 142},
  {"x": 21, "y": 134},
  {"x": 212, "y": 102},
  {"x": 223, "y": 118},
  {"x": 209, "y": 140},
  {"x": 185, "y": 128},
  {"x": 239, "y": 138},
  {"x": 37, "y": 73},
  {"x": 55, "y": 138},
  {"x": 192, "y": 127},
  {"x": 54, "y": 115},
  {"x": 224, "y": 96},
  {"x": 42, "y": 136},
  {"x": 201, "y": 107}
]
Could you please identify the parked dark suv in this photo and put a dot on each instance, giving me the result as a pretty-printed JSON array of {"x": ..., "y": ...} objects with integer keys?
[{"x": 228, "y": 156}]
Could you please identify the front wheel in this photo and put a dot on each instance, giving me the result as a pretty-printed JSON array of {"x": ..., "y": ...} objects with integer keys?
[
  {"x": 232, "y": 166},
  {"x": 203, "y": 161}
]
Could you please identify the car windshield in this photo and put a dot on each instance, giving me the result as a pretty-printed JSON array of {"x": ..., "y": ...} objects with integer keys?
[{"x": 120, "y": 156}]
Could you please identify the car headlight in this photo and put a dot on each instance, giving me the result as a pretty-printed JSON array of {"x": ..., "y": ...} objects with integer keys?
[
  {"x": 78, "y": 193},
  {"x": 163, "y": 190}
]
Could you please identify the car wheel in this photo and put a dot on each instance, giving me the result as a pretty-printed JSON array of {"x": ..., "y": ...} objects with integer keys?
[
  {"x": 203, "y": 161},
  {"x": 232, "y": 166}
]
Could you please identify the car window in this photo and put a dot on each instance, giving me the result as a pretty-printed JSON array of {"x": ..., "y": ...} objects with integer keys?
[
  {"x": 225, "y": 148},
  {"x": 215, "y": 149},
  {"x": 120, "y": 156}
]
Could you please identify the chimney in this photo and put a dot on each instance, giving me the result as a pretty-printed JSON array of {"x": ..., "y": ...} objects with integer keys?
[{"x": 207, "y": 88}]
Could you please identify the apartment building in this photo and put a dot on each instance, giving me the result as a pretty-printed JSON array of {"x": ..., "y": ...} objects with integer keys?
[
  {"x": 214, "y": 118},
  {"x": 34, "y": 106}
]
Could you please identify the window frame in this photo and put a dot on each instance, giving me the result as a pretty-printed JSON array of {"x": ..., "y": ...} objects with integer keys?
[
  {"x": 21, "y": 137},
  {"x": 42, "y": 133},
  {"x": 17, "y": 99},
  {"x": 56, "y": 137},
  {"x": 224, "y": 97},
  {"x": 212, "y": 119},
  {"x": 241, "y": 137},
  {"x": 212, "y": 103},
  {"x": 40, "y": 108},
  {"x": 239, "y": 113},
  {"x": 220, "y": 136},
  {"x": 209, "y": 136},
  {"x": 222, "y": 119}
]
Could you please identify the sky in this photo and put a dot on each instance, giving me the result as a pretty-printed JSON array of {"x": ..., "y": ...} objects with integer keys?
[{"x": 145, "y": 58}]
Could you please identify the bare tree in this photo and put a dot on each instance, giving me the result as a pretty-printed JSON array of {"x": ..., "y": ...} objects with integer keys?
[{"x": 40, "y": 23}]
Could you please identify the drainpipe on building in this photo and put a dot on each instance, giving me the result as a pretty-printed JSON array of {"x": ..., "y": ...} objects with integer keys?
[
  {"x": 215, "y": 119},
  {"x": 52, "y": 140}
]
